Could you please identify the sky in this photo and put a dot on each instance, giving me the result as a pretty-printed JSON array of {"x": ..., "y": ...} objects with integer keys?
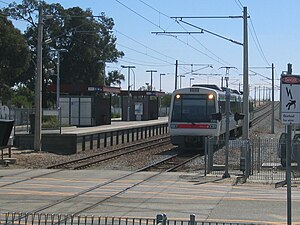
[{"x": 273, "y": 34}]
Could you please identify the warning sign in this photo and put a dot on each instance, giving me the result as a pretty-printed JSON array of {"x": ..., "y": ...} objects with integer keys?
[{"x": 290, "y": 99}]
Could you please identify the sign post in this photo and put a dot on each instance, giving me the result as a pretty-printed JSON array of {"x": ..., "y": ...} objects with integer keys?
[{"x": 290, "y": 114}]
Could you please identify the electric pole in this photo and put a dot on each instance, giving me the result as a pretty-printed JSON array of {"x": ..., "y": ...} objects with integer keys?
[
  {"x": 245, "y": 135},
  {"x": 38, "y": 86}
]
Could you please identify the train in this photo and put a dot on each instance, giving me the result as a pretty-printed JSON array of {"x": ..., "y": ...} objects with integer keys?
[{"x": 198, "y": 112}]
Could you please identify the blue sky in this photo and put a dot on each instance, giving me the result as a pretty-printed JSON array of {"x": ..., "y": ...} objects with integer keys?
[{"x": 273, "y": 38}]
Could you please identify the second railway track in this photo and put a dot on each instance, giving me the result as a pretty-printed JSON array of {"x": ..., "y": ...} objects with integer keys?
[{"x": 92, "y": 160}]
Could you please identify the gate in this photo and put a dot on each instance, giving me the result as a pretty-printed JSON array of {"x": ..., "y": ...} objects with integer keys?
[
  {"x": 258, "y": 159},
  {"x": 238, "y": 153}
]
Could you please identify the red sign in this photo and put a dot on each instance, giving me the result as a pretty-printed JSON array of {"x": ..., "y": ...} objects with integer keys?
[
  {"x": 290, "y": 80},
  {"x": 193, "y": 126}
]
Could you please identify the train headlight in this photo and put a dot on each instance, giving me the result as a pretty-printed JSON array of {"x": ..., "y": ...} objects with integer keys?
[
  {"x": 210, "y": 96},
  {"x": 178, "y": 96}
]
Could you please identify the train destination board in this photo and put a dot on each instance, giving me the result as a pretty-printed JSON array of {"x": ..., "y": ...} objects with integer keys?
[{"x": 290, "y": 99}]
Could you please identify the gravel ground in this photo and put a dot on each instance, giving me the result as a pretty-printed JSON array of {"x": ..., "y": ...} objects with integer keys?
[{"x": 31, "y": 159}]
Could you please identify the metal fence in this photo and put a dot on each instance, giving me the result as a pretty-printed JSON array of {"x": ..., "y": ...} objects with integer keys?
[
  {"x": 55, "y": 219},
  {"x": 261, "y": 159},
  {"x": 24, "y": 120}
]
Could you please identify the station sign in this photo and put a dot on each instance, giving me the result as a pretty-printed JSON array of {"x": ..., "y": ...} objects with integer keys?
[
  {"x": 290, "y": 99},
  {"x": 94, "y": 89}
]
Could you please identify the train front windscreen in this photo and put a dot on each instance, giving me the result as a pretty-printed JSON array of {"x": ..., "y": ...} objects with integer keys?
[{"x": 194, "y": 108}]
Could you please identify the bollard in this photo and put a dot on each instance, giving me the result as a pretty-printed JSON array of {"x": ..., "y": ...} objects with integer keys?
[
  {"x": 192, "y": 219},
  {"x": 161, "y": 219}
]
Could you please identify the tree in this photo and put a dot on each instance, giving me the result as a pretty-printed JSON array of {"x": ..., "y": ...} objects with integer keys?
[
  {"x": 22, "y": 97},
  {"x": 14, "y": 57},
  {"x": 114, "y": 77},
  {"x": 88, "y": 39},
  {"x": 166, "y": 100}
]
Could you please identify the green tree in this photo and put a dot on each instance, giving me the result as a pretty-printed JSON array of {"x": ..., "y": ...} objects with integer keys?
[
  {"x": 22, "y": 97},
  {"x": 114, "y": 77},
  {"x": 14, "y": 57},
  {"x": 166, "y": 100},
  {"x": 88, "y": 39}
]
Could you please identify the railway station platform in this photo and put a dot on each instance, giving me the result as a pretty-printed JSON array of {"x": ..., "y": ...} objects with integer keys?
[
  {"x": 75, "y": 139},
  {"x": 178, "y": 195}
]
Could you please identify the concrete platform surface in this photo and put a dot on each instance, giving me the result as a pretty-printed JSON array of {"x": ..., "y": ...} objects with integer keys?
[
  {"x": 115, "y": 125},
  {"x": 176, "y": 194}
]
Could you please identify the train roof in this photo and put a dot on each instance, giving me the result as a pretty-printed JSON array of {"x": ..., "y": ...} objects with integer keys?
[{"x": 211, "y": 86}]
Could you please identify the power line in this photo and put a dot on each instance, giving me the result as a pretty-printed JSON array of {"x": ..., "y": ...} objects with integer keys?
[
  {"x": 143, "y": 53},
  {"x": 144, "y": 45},
  {"x": 191, "y": 36},
  {"x": 207, "y": 50},
  {"x": 254, "y": 35},
  {"x": 218, "y": 58},
  {"x": 258, "y": 43},
  {"x": 4, "y": 2},
  {"x": 240, "y": 5},
  {"x": 154, "y": 8},
  {"x": 135, "y": 12},
  {"x": 140, "y": 63}
]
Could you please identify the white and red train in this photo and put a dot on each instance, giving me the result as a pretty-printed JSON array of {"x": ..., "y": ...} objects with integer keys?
[{"x": 192, "y": 111}]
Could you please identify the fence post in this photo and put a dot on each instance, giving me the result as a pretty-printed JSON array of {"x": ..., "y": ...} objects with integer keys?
[
  {"x": 245, "y": 160},
  {"x": 248, "y": 159},
  {"x": 161, "y": 219}
]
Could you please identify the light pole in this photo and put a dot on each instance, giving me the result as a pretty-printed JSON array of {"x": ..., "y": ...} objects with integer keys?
[
  {"x": 162, "y": 74},
  {"x": 180, "y": 76},
  {"x": 192, "y": 78},
  {"x": 57, "y": 52},
  {"x": 151, "y": 81},
  {"x": 128, "y": 98}
]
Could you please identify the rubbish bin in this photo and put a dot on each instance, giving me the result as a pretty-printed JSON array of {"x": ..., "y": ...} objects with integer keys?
[
  {"x": 32, "y": 123},
  {"x": 5, "y": 131}
]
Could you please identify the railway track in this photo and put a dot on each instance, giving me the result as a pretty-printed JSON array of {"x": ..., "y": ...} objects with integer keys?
[
  {"x": 166, "y": 165},
  {"x": 97, "y": 158},
  {"x": 172, "y": 163},
  {"x": 263, "y": 112}
]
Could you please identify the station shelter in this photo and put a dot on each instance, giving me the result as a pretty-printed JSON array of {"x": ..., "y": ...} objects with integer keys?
[
  {"x": 85, "y": 105},
  {"x": 140, "y": 105}
]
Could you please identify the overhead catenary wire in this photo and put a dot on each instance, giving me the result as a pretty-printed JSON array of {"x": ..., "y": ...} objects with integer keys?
[
  {"x": 136, "y": 41},
  {"x": 254, "y": 35},
  {"x": 4, "y": 2},
  {"x": 217, "y": 60}
]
